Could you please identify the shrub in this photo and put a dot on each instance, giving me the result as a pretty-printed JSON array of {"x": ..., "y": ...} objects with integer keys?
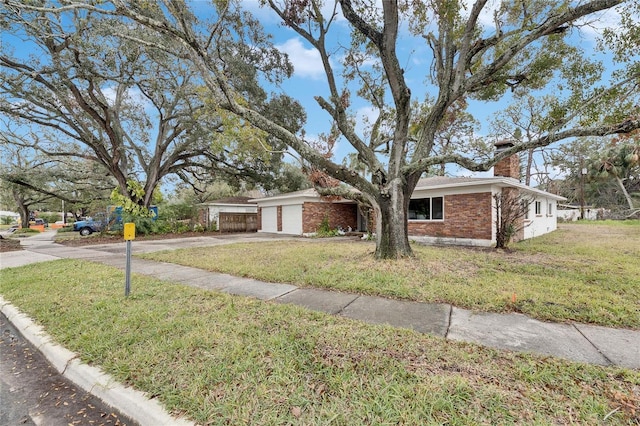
[
  {"x": 324, "y": 230},
  {"x": 7, "y": 220},
  {"x": 25, "y": 231},
  {"x": 50, "y": 217}
]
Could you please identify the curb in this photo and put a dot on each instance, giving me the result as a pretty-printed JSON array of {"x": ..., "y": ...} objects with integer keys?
[{"x": 130, "y": 402}]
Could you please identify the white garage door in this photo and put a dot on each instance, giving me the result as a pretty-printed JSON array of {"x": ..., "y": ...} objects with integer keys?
[
  {"x": 292, "y": 219},
  {"x": 269, "y": 219}
]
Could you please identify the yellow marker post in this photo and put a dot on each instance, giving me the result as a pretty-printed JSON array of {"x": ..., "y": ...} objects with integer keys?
[
  {"x": 129, "y": 234},
  {"x": 129, "y": 231}
]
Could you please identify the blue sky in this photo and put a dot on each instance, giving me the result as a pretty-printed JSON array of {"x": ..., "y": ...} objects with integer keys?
[{"x": 309, "y": 80}]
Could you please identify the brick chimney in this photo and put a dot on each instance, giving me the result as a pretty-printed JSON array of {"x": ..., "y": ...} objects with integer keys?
[{"x": 507, "y": 167}]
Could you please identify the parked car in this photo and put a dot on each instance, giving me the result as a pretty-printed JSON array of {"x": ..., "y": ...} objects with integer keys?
[
  {"x": 90, "y": 225},
  {"x": 39, "y": 222}
]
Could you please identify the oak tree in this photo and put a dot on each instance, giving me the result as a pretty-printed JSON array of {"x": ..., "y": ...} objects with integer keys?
[{"x": 476, "y": 51}]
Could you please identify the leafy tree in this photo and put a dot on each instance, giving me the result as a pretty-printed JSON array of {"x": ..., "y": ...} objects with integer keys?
[
  {"x": 525, "y": 47},
  {"x": 621, "y": 163},
  {"x": 523, "y": 121},
  {"x": 569, "y": 160},
  {"x": 600, "y": 171},
  {"x": 456, "y": 134},
  {"x": 79, "y": 183},
  {"x": 88, "y": 94},
  {"x": 22, "y": 166}
]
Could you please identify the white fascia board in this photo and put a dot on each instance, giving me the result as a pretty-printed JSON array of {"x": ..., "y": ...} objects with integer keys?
[
  {"x": 498, "y": 181},
  {"x": 306, "y": 194},
  {"x": 234, "y": 205}
]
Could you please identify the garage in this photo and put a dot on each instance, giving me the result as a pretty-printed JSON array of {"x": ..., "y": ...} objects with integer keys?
[
  {"x": 292, "y": 219},
  {"x": 270, "y": 219}
]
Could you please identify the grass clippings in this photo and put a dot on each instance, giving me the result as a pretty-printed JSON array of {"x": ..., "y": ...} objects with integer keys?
[{"x": 222, "y": 359}]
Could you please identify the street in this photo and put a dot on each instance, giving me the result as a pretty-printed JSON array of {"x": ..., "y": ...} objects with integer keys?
[{"x": 33, "y": 393}]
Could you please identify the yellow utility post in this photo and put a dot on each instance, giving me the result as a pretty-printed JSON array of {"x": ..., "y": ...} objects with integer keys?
[
  {"x": 129, "y": 231},
  {"x": 129, "y": 234}
]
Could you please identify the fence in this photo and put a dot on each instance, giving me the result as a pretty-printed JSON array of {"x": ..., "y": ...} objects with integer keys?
[{"x": 238, "y": 222}]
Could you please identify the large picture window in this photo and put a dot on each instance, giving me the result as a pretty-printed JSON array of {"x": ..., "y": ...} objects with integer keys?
[{"x": 426, "y": 209}]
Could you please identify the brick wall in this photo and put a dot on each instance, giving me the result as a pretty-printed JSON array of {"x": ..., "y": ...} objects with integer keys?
[
  {"x": 508, "y": 167},
  {"x": 203, "y": 217},
  {"x": 259, "y": 218},
  {"x": 465, "y": 216},
  {"x": 340, "y": 215},
  {"x": 279, "y": 218}
]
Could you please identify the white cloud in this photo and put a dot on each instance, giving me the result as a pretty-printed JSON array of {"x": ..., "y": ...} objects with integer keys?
[
  {"x": 486, "y": 17},
  {"x": 593, "y": 25},
  {"x": 133, "y": 95},
  {"x": 306, "y": 62}
]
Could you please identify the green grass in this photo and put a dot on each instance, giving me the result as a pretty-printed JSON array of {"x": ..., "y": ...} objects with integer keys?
[
  {"x": 23, "y": 232},
  {"x": 222, "y": 359},
  {"x": 584, "y": 273}
]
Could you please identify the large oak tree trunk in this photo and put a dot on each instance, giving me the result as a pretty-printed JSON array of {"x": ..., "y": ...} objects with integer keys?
[
  {"x": 24, "y": 209},
  {"x": 392, "y": 241}
]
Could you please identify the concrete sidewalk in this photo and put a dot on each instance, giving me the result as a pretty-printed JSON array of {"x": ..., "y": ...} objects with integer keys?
[{"x": 516, "y": 332}]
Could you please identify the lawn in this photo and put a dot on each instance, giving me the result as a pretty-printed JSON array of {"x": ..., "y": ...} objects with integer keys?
[
  {"x": 587, "y": 272},
  {"x": 222, "y": 359}
]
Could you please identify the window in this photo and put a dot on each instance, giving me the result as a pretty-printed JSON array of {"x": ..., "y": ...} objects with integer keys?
[
  {"x": 538, "y": 208},
  {"x": 549, "y": 209},
  {"x": 526, "y": 209},
  {"x": 426, "y": 209}
]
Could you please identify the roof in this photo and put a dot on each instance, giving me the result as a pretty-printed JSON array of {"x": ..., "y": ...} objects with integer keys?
[
  {"x": 305, "y": 193},
  {"x": 435, "y": 182},
  {"x": 230, "y": 200},
  {"x": 444, "y": 182}
]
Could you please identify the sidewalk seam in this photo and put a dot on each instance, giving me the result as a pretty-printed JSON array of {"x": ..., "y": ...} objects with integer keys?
[
  {"x": 346, "y": 306},
  {"x": 593, "y": 344},
  {"x": 446, "y": 333}
]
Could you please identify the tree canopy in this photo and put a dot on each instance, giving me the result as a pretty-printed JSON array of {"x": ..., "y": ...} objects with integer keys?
[
  {"x": 483, "y": 52},
  {"x": 86, "y": 91}
]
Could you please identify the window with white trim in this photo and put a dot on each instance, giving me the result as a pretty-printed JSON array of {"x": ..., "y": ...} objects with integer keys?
[
  {"x": 549, "y": 209},
  {"x": 538, "y": 208},
  {"x": 426, "y": 208},
  {"x": 526, "y": 207}
]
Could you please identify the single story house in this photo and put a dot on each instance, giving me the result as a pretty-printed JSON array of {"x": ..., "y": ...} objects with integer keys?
[
  {"x": 302, "y": 212},
  {"x": 463, "y": 210},
  {"x": 232, "y": 214},
  {"x": 572, "y": 212},
  {"x": 9, "y": 216},
  {"x": 442, "y": 209}
]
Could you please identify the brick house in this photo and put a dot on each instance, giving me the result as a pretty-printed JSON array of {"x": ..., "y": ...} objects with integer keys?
[
  {"x": 442, "y": 210},
  {"x": 302, "y": 212}
]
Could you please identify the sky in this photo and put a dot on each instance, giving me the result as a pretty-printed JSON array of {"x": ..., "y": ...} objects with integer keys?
[{"x": 308, "y": 79}]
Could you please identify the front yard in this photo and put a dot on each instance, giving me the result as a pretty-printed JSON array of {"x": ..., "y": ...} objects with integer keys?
[
  {"x": 222, "y": 359},
  {"x": 587, "y": 272}
]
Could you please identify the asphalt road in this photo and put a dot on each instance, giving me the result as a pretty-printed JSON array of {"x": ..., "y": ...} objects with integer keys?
[{"x": 33, "y": 393}]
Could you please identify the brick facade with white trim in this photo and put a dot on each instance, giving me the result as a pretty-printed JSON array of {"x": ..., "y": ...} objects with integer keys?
[{"x": 465, "y": 216}]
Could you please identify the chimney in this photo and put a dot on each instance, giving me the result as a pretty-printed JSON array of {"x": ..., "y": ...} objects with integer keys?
[{"x": 507, "y": 167}]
